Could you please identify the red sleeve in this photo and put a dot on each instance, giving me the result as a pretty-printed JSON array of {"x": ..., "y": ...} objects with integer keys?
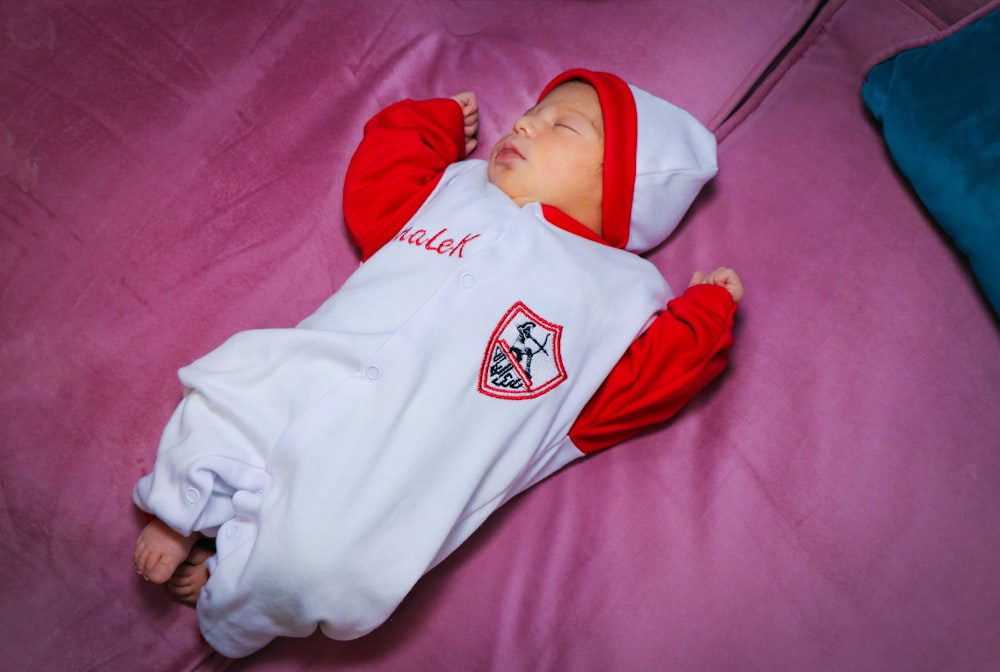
[
  {"x": 405, "y": 150},
  {"x": 684, "y": 349}
]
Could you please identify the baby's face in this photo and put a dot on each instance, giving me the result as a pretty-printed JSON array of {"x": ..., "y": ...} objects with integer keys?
[{"x": 555, "y": 155}]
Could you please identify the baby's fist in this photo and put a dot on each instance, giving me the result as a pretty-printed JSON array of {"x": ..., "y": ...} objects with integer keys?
[
  {"x": 723, "y": 277},
  {"x": 470, "y": 116}
]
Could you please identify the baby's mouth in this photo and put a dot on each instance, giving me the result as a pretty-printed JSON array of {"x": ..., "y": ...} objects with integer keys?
[{"x": 508, "y": 151}]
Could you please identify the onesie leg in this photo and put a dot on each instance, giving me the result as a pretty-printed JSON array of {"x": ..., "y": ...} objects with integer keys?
[
  {"x": 159, "y": 551},
  {"x": 205, "y": 456}
]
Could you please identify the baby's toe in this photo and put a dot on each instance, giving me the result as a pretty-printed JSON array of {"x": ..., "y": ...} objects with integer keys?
[
  {"x": 144, "y": 559},
  {"x": 186, "y": 583},
  {"x": 158, "y": 570}
]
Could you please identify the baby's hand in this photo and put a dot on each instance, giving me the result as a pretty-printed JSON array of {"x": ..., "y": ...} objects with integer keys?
[
  {"x": 721, "y": 277},
  {"x": 470, "y": 112}
]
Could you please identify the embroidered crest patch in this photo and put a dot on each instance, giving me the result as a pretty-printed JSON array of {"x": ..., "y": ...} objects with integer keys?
[{"x": 522, "y": 359}]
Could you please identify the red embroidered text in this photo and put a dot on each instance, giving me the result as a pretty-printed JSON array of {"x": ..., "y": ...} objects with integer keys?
[{"x": 437, "y": 242}]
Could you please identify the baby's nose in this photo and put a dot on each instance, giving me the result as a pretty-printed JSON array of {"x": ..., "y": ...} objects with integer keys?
[{"x": 525, "y": 126}]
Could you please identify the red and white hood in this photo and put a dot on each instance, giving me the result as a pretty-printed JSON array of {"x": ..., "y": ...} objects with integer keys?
[{"x": 656, "y": 159}]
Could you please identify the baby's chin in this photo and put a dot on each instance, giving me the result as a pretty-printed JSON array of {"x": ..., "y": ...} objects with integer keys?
[{"x": 494, "y": 177}]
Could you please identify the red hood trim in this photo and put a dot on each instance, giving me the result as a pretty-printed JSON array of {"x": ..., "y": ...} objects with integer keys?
[
  {"x": 621, "y": 130},
  {"x": 557, "y": 217}
]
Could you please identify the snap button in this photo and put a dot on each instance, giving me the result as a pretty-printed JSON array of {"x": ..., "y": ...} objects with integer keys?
[
  {"x": 373, "y": 372},
  {"x": 233, "y": 531},
  {"x": 468, "y": 280},
  {"x": 192, "y": 495}
]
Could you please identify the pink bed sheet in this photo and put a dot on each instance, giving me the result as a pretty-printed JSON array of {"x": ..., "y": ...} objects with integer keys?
[{"x": 170, "y": 173}]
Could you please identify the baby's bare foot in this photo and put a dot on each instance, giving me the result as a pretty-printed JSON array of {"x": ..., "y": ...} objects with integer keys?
[
  {"x": 159, "y": 551},
  {"x": 186, "y": 583}
]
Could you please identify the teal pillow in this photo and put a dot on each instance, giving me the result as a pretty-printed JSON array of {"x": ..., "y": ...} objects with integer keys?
[{"x": 939, "y": 106}]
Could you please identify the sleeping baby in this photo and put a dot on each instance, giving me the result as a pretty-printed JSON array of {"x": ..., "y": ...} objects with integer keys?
[{"x": 502, "y": 325}]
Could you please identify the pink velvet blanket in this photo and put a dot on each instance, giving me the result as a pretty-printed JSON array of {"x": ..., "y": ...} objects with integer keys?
[{"x": 170, "y": 174}]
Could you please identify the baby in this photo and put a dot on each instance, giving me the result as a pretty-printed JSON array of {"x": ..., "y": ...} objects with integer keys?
[{"x": 500, "y": 327}]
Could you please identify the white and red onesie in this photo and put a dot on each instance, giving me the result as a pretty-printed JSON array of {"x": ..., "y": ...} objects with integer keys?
[{"x": 479, "y": 348}]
